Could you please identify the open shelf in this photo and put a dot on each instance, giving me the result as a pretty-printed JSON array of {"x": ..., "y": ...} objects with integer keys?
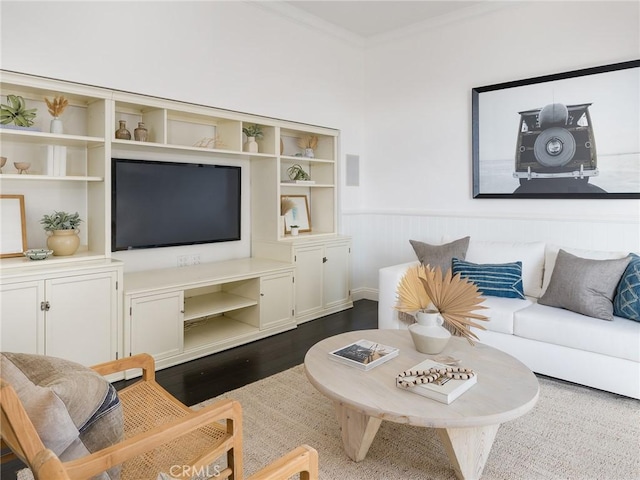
[
  {"x": 213, "y": 304},
  {"x": 221, "y": 329},
  {"x": 68, "y": 178}
]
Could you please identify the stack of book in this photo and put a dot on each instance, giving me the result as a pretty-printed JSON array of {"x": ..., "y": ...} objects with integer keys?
[
  {"x": 444, "y": 390},
  {"x": 364, "y": 354}
]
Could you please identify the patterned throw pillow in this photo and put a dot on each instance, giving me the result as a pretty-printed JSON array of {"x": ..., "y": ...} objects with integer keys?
[
  {"x": 626, "y": 303},
  {"x": 74, "y": 410},
  {"x": 493, "y": 279}
]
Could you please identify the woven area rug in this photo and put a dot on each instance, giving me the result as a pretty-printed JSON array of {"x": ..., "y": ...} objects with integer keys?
[{"x": 573, "y": 433}]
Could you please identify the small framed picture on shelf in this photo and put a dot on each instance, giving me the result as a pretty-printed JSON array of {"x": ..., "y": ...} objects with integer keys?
[
  {"x": 13, "y": 233},
  {"x": 296, "y": 212}
]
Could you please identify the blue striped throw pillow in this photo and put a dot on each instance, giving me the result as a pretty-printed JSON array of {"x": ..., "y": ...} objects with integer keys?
[{"x": 494, "y": 279}]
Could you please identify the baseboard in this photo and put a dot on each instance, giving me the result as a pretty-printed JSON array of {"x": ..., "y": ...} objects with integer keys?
[{"x": 364, "y": 293}]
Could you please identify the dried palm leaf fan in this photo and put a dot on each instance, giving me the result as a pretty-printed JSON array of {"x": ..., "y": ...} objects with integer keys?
[{"x": 454, "y": 297}]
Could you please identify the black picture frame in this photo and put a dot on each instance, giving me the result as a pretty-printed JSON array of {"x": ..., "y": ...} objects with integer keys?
[{"x": 569, "y": 135}]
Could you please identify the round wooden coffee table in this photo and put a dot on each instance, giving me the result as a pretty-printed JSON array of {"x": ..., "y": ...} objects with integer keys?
[{"x": 467, "y": 427}]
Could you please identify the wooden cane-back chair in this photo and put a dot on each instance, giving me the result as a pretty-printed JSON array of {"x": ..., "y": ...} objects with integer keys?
[{"x": 159, "y": 433}]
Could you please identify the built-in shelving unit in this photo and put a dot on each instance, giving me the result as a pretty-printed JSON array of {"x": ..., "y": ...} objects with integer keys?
[{"x": 71, "y": 171}]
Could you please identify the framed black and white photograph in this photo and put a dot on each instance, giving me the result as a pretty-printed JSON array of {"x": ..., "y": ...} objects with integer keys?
[
  {"x": 298, "y": 215},
  {"x": 569, "y": 135},
  {"x": 13, "y": 233}
]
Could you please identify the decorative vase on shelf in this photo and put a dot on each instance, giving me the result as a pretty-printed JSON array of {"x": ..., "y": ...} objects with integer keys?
[
  {"x": 56, "y": 126},
  {"x": 308, "y": 152},
  {"x": 140, "y": 133},
  {"x": 122, "y": 133},
  {"x": 63, "y": 242},
  {"x": 251, "y": 146},
  {"x": 428, "y": 334}
]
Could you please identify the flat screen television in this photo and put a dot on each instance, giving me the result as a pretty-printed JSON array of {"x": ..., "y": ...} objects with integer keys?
[{"x": 162, "y": 204}]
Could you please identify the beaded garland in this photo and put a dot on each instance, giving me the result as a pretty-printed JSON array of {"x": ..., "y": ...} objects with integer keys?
[{"x": 433, "y": 374}]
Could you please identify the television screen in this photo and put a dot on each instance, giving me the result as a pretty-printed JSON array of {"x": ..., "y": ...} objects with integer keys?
[{"x": 161, "y": 204}]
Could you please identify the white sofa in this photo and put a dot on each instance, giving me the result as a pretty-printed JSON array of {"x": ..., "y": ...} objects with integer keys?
[{"x": 550, "y": 341}]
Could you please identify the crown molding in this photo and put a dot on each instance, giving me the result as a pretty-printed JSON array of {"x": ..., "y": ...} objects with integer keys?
[
  {"x": 440, "y": 21},
  {"x": 299, "y": 16}
]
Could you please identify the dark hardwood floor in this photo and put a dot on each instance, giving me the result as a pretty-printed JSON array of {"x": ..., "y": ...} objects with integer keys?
[
  {"x": 201, "y": 379},
  {"x": 207, "y": 377}
]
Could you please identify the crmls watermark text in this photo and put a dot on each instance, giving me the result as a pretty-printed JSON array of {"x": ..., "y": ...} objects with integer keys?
[{"x": 189, "y": 471}]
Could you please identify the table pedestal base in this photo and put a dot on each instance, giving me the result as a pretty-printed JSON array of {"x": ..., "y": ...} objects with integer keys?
[{"x": 467, "y": 448}]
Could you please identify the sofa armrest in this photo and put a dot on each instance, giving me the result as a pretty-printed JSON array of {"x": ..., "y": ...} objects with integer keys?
[{"x": 388, "y": 280}]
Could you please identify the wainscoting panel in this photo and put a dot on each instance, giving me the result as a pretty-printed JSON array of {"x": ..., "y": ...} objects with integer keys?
[{"x": 381, "y": 239}]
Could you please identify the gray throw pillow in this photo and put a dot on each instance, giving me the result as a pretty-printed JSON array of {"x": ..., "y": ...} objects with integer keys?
[
  {"x": 440, "y": 255},
  {"x": 584, "y": 285}
]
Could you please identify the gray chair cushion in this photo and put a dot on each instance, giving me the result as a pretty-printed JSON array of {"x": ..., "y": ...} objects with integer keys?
[{"x": 74, "y": 410}]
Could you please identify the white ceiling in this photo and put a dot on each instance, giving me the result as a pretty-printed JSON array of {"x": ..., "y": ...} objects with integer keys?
[{"x": 367, "y": 18}]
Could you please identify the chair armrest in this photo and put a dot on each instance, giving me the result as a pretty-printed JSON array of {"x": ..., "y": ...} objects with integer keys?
[
  {"x": 302, "y": 460},
  {"x": 141, "y": 360},
  {"x": 47, "y": 465},
  {"x": 90, "y": 465}
]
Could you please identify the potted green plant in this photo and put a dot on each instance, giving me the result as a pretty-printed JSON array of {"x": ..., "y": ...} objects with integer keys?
[
  {"x": 295, "y": 229},
  {"x": 62, "y": 228},
  {"x": 252, "y": 132},
  {"x": 15, "y": 111}
]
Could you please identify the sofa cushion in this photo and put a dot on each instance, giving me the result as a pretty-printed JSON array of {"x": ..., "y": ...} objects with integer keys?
[
  {"x": 618, "y": 338},
  {"x": 74, "y": 410},
  {"x": 584, "y": 285},
  {"x": 500, "y": 313},
  {"x": 626, "y": 303},
  {"x": 531, "y": 254},
  {"x": 493, "y": 279},
  {"x": 551, "y": 252},
  {"x": 440, "y": 255}
]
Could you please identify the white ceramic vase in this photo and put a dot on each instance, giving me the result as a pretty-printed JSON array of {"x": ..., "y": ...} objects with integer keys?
[
  {"x": 428, "y": 334},
  {"x": 251, "y": 146},
  {"x": 56, "y": 126}
]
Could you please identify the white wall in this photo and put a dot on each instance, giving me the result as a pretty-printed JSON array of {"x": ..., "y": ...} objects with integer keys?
[
  {"x": 417, "y": 168},
  {"x": 409, "y": 94},
  {"x": 233, "y": 55}
]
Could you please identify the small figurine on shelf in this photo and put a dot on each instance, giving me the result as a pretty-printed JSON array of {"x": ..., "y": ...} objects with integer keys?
[
  {"x": 56, "y": 107},
  {"x": 122, "y": 133}
]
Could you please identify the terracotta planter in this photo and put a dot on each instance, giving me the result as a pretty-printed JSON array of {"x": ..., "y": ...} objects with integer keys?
[{"x": 63, "y": 242}]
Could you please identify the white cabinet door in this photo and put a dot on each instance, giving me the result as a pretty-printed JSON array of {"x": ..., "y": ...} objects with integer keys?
[
  {"x": 81, "y": 321},
  {"x": 21, "y": 318},
  {"x": 156, "y": 324},
  {"x": 336, "y": 274},
  {"x": 276, "y": 300},
  {"x": 308, "y": 284}
]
